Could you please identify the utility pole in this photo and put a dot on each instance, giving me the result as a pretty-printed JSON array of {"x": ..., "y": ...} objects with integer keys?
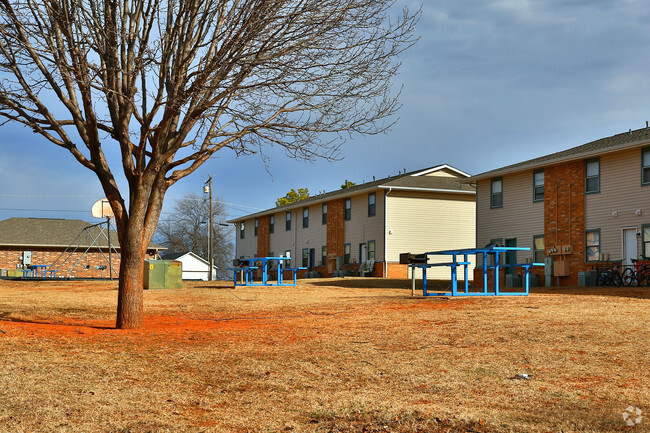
[{"x": 208, "y": 188}]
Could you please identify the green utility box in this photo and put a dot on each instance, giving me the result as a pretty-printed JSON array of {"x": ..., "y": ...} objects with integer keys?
[{"x": 163, "y": 274}]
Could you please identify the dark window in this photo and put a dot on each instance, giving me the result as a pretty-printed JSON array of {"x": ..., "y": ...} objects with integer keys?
[
  {"x": 287, "y": 224},
  {"x": 323, "y": 254},
  {"x": 496, "y": 193},
  {"x": 592, "y": 176},
  {"x": 256, "y": 226},
  {"x": 242, "y": 230},
  {"x": 645, "y": 167},
  {"x": 371, "y": 250},
  {"x": 593, "y": 245},
  {"x": 305, "y": 217},
  {"x": 272, "y": 224},
  {"x": 538, "y": 185},
  {"x": 371, "y": 204},
  {"x": 348, "y": 209},
  {"x": 305, "y": 257},
  {"x": 538, "y": 249},
  {"x": 324, "y": 214},
  {"x": 346, "y": 254}
]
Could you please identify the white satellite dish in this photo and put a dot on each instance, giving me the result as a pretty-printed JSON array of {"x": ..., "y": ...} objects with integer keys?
[{"x": 101, "y": 209}]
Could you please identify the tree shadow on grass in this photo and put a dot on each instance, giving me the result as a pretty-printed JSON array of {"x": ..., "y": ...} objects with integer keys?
[
  {"x": 642, "y": 292},
  {"x": 4, "y": 317}
]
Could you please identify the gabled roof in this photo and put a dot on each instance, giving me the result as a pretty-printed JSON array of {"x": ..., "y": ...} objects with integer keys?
[
  {"x": 52, "y": 232},
  {"x": 177, "y": 256},
  {"x": 615, "y": 143},
  {"x": 414, "y": 181}
]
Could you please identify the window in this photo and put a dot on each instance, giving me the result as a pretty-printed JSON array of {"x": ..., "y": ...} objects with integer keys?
[
  {"x": 372, "y": 198},
  {"x": 593, "y": 245},
  {"x": 305, "y": 217},
  {"x": 539, "y": 250},
  {"x": 323, "y": 253},
  {"x": 496, "y": 193},
  {"x": 538, "y": 185},
  {"x": 645, "y": 235},
  {"x": 645, "y": 167},
  {"x": 287, "y": 224},
  {"x": 346, "y": 254},
  {"x": 305, "y": 257},
  {"x": 348, "y": 209},
  {"x": 324, "y": 214},
  {"x": 272, "y": 224},
  {"x": 371, "y": 250},
  {"x": 256, "y": 226},
  {"x": 287, "y": 263},
  {"x": 242, "y": 229},
  {"x": 592, "y": 176}
]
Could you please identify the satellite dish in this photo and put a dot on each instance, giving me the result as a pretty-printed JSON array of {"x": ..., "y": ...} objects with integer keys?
[{"x": 101, "y": 209}]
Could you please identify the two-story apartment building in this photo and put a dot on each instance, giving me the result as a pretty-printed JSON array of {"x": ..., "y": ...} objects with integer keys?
[
  {"x": 425, "y": 210},
  {"x": 583, "y": 207}
]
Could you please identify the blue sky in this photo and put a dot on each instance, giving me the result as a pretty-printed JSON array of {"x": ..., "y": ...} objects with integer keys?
[{"x": 490, "y": 83}]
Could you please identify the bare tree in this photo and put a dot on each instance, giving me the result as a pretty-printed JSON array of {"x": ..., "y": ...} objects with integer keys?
[
  {"x": 170, "y": 82},
  {"x": 186, "y": 229}
]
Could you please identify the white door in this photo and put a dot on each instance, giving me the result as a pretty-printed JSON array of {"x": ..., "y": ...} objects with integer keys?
[{"x": 629, "y": 246}]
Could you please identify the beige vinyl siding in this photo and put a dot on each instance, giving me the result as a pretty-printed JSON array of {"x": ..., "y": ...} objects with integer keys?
[
  {"x": 247, "y": 247},
  {"x": 361, "y": 228},
  {"x": 443, "y": 173},
  {"x": 315, "y": 236},
  {"x": 621, "y": 193},
  {"x": 519, "y": 218},
  {"x": 282, "y": 240},
  {"x": 422, "y": 222}
]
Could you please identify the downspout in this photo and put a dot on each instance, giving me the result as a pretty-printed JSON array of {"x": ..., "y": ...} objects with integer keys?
[{"x": 386, "y": 231}]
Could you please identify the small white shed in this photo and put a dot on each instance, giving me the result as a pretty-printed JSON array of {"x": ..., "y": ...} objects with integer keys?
[{"x": 193, "y": 266}]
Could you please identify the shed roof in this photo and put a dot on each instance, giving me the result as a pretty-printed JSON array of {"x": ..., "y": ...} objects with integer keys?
[
  {"x": 615, "y": 143},
  {"x": 414, "y": 181},
  {"x": 53, "y": 233}
]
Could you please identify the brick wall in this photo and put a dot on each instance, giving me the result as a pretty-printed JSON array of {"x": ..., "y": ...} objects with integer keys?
[
  {"x": 335, "y": 231},
  {"x": 263, "y": 236},
  {"x": 564, "y": 215},
  {"x": 86, "y": 265}
]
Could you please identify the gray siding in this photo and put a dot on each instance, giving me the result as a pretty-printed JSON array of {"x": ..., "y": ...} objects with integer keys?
[
  {"x": 615, "y": 206},
  {"x": 520, "y": 217}
]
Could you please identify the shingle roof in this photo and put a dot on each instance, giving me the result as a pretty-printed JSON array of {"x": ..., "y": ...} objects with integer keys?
[
  {"x": 414, "y": 180},
  {"x": 626, "y": 140},
  {"x": 51, "y": 232}
]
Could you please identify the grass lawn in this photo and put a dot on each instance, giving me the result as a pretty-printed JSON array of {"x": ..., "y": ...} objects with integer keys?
[{"x": 339, "y": 355}]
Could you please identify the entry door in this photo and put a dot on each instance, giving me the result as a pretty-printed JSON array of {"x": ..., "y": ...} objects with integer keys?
[
  {"x": 511, "y": 256},
  {"x": 629, "y": 246},
  {"x": 363, "y": 253}
]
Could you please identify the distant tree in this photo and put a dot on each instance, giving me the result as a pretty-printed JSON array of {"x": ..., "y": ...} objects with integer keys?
[
  {"x": 293, "y": 196},
  {"x": 142, "y": 92},
  {"x": 348, "y": 184},
  {"x": 186, "y": 229}
]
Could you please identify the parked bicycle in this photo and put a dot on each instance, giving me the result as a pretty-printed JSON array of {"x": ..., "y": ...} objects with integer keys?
[
  {"x": 638, "y": 274},
  {"x": 611, "y": 277}
]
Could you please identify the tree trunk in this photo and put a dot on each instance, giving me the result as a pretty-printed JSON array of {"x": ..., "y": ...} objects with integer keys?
[{"x": 130, "y": 296}]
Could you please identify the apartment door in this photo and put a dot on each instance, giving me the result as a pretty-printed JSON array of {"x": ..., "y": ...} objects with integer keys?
[
  {"x": 511, "y": 256},
  {"x": 312, "y": 258},
  {"x": 363, "y": 253},
  {"x": 629, "y": 245}
]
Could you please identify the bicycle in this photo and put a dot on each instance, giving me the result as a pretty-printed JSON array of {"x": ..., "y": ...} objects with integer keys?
[
  {"x": 611, "y": 277},
  {"x": 638, "y": 274}
]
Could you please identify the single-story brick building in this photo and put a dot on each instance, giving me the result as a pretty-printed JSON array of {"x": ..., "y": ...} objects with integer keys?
[{"x": 73, "y": 248}]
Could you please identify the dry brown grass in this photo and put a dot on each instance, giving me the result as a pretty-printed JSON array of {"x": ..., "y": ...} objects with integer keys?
[{"x": 329, "y": 356}]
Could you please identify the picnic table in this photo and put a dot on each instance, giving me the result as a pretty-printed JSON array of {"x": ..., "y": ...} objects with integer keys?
[
  {"x": 248, "y": 267},
  {"x": 455, "y": 262}
]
